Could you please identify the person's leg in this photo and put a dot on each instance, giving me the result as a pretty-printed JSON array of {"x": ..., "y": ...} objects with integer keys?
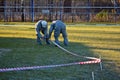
[
  {"x": 56, "y": 36},
  {"x": 47, "y": 40},
  {"x": 38, "y": 40},
  {"x": 64, "y": 34},
  {"x": 46, "y": 37}
]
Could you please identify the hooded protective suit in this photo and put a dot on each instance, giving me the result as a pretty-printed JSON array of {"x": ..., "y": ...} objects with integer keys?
[
  {"x": 41, "y": 27},
  {"x": 59, "y": 27}
]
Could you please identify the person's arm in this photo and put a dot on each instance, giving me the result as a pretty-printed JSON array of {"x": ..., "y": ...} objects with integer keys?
[
  {"x": 37, "y": 28},
  {"x": 51, "y": 30},
  {"x": 46, "y": 33}
]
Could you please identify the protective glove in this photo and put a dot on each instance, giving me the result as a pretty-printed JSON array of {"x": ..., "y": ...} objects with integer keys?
[{"x": 44, "y": 37}]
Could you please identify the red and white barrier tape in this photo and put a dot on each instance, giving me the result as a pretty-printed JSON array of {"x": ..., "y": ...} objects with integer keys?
[
  {"x": 92, "y": 61},
  {"x": 48, "y": 66}
]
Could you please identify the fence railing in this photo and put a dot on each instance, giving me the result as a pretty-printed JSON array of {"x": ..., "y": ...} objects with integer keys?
[{"x": 30, "y": 10}]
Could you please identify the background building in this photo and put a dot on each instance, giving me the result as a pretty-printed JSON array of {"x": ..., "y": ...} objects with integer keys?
[{"x": 66, "y": 10}]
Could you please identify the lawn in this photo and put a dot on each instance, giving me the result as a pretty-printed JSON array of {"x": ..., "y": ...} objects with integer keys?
[{"x": 18, "y": 48}]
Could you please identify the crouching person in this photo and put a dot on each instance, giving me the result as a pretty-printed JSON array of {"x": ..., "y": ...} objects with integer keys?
[
  {"x": 41, "y": 28},
  {"x": 59, "y": 28}
]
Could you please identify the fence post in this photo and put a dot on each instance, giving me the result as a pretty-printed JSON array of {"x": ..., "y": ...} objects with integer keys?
[
  {"x": 88, "y": 10},
  {"x": 5, "y": 16},
  {"x": 60, "y": 9},
  {"x": 32, "y": 10}
]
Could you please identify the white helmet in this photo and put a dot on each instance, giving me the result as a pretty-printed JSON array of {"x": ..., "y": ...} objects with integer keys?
[
  {"x": 53, "y": 22},
  {"x": 44, "y": 24}
]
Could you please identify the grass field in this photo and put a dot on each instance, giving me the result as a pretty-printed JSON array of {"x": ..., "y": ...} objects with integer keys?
[{"x": 18, "y": 48}]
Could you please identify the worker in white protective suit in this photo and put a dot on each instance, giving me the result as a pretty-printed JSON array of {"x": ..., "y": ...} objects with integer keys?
[
  {"x": 59, "y": 27},
  {"x": 41, "y": 29}
]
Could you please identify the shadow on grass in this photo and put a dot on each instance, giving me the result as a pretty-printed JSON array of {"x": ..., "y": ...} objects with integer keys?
[{"x": 25, "y": 52}]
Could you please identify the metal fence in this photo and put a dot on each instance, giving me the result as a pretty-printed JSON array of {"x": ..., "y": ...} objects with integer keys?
[{"x": 66, "y": 10}]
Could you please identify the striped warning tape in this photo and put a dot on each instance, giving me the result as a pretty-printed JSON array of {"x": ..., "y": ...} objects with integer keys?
[
  {"x": 49, "y": 66},
  {"x": 92, "y": 61}
]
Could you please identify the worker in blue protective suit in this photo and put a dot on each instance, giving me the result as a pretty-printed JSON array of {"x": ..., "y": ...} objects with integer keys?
[
  {"x": 59, "y": 27},
  {"x": 42, "y": 27}
]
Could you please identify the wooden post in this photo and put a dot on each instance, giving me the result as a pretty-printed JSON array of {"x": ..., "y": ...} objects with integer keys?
[{"x": 93, "y": 77}]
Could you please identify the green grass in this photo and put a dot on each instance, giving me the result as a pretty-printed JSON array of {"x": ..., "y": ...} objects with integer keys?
[{"x": 18, "y": 48}]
